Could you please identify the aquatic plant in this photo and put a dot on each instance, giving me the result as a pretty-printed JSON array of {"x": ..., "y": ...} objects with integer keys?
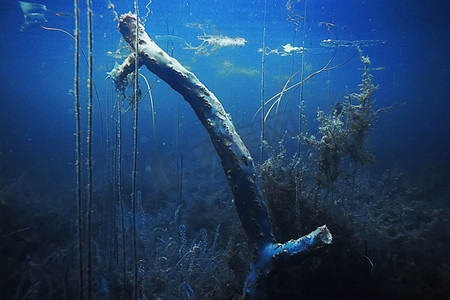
[
  {"x": 182, "y": 255},
  {"x": 35, "y": 247},
  {"x": 281, "y": 179},
  {"x": 342, "y": 133},
  {"x": 275, "y": 100}
]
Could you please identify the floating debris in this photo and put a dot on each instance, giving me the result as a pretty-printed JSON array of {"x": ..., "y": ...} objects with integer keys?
[
  {"x": 212, "y": 43},
  {"x": 34, "y": 14},
  {"x": 227, "y": 68},
  {"x": 117, "y": 55},
  {"x": 329, "y": 43},
  {"x": 284, "y": 50}
]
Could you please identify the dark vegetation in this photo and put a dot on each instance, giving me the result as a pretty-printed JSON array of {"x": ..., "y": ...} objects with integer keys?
[{"x": 389, "y": 239}]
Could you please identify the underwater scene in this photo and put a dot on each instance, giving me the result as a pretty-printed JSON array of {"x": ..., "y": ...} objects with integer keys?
[{"x": 205, "y": 149}]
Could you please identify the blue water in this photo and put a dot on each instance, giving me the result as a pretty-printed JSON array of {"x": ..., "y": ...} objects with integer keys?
[{"x": 409, "y": 63}]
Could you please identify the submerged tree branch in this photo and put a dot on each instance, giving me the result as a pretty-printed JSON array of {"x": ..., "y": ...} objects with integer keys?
[{"x": 236, "y": 160}]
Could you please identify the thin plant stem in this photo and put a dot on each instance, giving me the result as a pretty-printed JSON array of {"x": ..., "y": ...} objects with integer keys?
[
  {"x": 302, "y": 75},
  {"x": 119, "y": 191},
  {"x": 153, "y": 111},
  {"x": 76, "y": 89},
  {"x": 89, "y": 150},
  {"x": 263, "y": 58},
  {"x": 87, "y": 63},
  {"x": 135, "y": 150}
]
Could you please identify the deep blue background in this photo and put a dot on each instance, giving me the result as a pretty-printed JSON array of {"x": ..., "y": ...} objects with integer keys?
[{"x": 37, "y": 68}]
